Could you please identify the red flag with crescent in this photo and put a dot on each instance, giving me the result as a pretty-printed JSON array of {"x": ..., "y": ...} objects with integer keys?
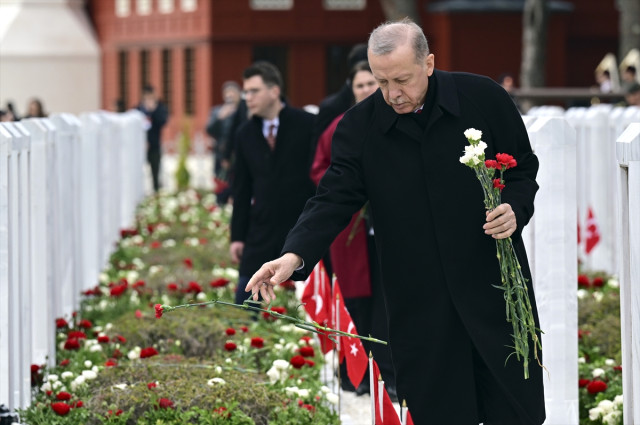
[
  {"x": 317, "y": 302},
  {"x": 351, "y": 348}
]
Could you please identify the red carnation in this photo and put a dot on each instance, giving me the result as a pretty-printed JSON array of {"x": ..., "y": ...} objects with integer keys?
[
  {"x": 138, "y": 314},
  {"x": 103, "y": 339},
  {"x": 220, "y": 185},
  {"x": 63, "y": 396},
  {"x": 596, "y": 386},
  {"x": 297, "y": 361},
  {"x": 78, "y": 403},
  {"x": 159, "y": 310},
  {"x": 35, "y": 368},
  {"x": 583, "y": 383},
  {"x": 155, "y": 244},
  {"x": 305, "y": 338},
  {"x": 194, "y": 287},
  {"x": 583, "y": 280},
  {"x": 172, "y": 287},
  {"x": 244, "y": 329},
  {"x": 111, "y": 363},
  {"x": 491, "y": 163},
  {"x": 120, "y": 339},
  {"x": 307, "y": 351},
  {"x": 61, "y": 323},
  {"x": 506, "y": 160},
  {"x": 84, "y": 323},
  {"x": 138, "y": 284},
  {"x": 230, "y": 331},
  {"x": 498, "y": 184},
  {"x": 118, "y": 290},
  {"x": 116, "y": 354},
  {"x": 257, "y": 342},
  {"x": 151, "y": 385},
  {"x": 77, "y": 334},
  {"x": 219, "y": 283},
  {"x": 598, "y": 282},
  {"x": 230, "y": 346},
  {"x": 188, "y": 263},
  {"x": 118, "y": 412},
  {"x": 60, "y": 408},
  {"x": 309, "y": 407},
  {"x": 148, "y": 352},
  {"x": 72, "y": 344},
  {"x": 310, "y": 362},
  {"x": 222, "y": 411},
  {"x": 65, "y": 362},
  {"x": 617, "y": 368},
  {"x": 165, "y": 403}
]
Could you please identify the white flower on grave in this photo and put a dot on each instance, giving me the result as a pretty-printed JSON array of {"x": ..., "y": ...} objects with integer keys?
[
  {"x": 77, "y": 382},
  {"x": 281, "y": 364},
  {"x": 217, "y": 370},
  {"x": 273, "y": 374},
  {"x": 597, "y": 372},
  {"x": 598, "y": 296},
  {"x": 52, "y": 378},
  {"x": 95, "y": 369},
  {"x": 303, "y": 392},
  {"x": 291, "y": 390},
  {"x": 213, "y": 381},
  {"x": 595, "y": 413},
  {"x": 473, "y": 134},
  {"x": 582, "y": 293},
  {"x": 66, "y": 375},
  {"x": 95, "y": 348},
  {"x": 132, "y": 275},
  {"x": 46, "y": 387},
  {"x": 325, "y": 389},
  {"x": 103, "y": 278},
  {"x": 89, "y": 374},
  {"x": 56, "y": 385},
  {"x": 87, "y": 363},
  {"x": 119, "y": 386},
  {"x": 228, "y": 360},
  {"x": 612, "y": 418},
  {"x": 617, "y": 400},
  {"x": 333, "y": 398},
  {"x": 613, "y": 283},
  {"x": 169, "y": 243},
  {"x": 153, "y": 270},
  {"x": 606, "y": 406},
  {"x": 581, "y": 360},
  {"x": 610, "y": 362}
]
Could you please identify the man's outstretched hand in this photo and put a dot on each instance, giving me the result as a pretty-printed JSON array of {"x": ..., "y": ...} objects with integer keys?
[{"x": 271, "y": 274}]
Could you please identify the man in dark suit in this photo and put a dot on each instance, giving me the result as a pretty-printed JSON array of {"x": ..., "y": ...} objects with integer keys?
[
  {"x": 448, "y": 333},
  {"x": 157, "y": 115},
  {"x": 271, "y": 153}
]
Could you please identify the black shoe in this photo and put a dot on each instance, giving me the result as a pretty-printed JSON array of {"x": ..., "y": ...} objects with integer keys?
[
  {"x": 363, "y": 388},
  {"x": 393, "y": 395}
]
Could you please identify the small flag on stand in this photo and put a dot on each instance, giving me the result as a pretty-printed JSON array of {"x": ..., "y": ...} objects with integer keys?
[
  {"x": 317, "y": 302},
  {"x": 593, "y": 233},
  {"x": 351, "y": 349},
  {"x": 385, "y": 413}
]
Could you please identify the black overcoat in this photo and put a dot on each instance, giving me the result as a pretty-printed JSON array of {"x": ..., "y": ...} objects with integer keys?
[
  {"x": 428, "y": 211},
  {"x": 270, "y": 188}
]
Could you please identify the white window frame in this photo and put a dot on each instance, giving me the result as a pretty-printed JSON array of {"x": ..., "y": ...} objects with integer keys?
[
  {"x": 344, "y": 4},
  {"x": 271, "y": 4}
]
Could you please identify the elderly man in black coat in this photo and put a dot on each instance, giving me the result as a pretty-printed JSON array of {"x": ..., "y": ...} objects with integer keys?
[
  {"x": 272, "y": 152},
  {"x": 399, "y": 149}
]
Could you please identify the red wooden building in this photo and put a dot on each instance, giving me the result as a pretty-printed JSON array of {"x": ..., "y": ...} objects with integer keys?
[{"x": 186, "y": 49}]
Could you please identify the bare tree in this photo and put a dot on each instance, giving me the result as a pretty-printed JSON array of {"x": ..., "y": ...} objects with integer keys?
[
  {"x": 534, "y": 41},
  {"x": 399, "y": 9},
  {"x": 629, "y": 25}
]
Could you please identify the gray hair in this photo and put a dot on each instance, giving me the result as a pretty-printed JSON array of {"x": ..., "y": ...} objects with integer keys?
[{"x": 388, "y": 36}]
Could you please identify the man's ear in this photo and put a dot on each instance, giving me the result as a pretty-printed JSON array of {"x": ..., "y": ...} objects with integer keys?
[{"x": 430, "y": 63}]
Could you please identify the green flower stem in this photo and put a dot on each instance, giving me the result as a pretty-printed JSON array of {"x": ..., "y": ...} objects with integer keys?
[{"x": 302, "y": 324}]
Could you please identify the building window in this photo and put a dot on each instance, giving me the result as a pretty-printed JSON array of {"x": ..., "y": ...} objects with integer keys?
[
  {"x": 144, "y": 68},
  {"x": 165, "y": 6},
  {"x": 167, "y": 76},
  {"x": 189, "y": 83},
  {"x": 123, "y": 8},
  {"x": 143, "y": 7},
  {"x": 277, "y": 55},
  {"x": 188, "y": 5},
  {"x": 345, "y": 4},
  {"x": 337, "y": 68},
  {"x": 271, "y": 4},
  {"x": 123, "y": 78}
]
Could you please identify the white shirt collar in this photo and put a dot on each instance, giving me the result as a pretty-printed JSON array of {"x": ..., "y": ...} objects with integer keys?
[{"x": 268, "y": 123}]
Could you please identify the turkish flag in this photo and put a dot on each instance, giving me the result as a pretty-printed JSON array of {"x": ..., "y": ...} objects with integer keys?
[
  {"x": 385, "y": 412},
  {"x": 593, "y": 234},
  {"x": 317, "y": 302},
  {"x": 351, "y": 349}
]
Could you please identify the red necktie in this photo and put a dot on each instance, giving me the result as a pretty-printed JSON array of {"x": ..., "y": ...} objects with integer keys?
[{"x": 271, "y": 137}]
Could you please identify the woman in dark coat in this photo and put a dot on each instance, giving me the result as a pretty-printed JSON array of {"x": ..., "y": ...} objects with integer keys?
[{"x": 449, "y": 337}]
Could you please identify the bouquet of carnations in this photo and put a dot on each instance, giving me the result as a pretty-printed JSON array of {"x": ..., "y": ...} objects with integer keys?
[{"x": 514, "y": 284}]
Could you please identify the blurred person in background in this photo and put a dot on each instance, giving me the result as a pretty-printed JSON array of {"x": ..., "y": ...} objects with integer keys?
[
  {"x": 35, "y": 109},
  {"x": 157, "y": 115}
]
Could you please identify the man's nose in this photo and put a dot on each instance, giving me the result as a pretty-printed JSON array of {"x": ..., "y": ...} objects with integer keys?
[{"x": 395, "y": 92}]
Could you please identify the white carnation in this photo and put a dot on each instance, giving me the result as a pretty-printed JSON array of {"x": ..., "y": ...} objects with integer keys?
[
  {"x": 304, "y": 393},
  {"x": 610, "y": 362},
  {"x": 87, "y": 363},
  {"x": 618, "y": 400},
  {"x": 613, "y": 282},
  {"x": 52, "y": 378},
  {"x": 333, "y": 398},
  {"x": 598, "y": 296},
  {"x": 66, "y": 375},
  {"x": 612, "y": 418},
  {"x": 582, "y": 293},
  {"x": 119, "y": 386},
  {"x": 213, "y": 381},
  {"x": 473, "y": 134},
  {"x": 273, "y": 374},
  {"x": 597, "y": 372},
  {"x": 89, "y": 374},
  {"x": 595, "y": 413},
  {"x": 280, "y": 364},
  {"x": 581, "y": 360}
]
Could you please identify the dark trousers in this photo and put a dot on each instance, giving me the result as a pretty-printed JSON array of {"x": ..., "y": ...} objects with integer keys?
[{"x": 153, "y": 158}]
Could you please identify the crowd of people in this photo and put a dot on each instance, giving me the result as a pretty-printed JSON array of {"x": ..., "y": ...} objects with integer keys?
[{"x": 34, "y": 110}]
